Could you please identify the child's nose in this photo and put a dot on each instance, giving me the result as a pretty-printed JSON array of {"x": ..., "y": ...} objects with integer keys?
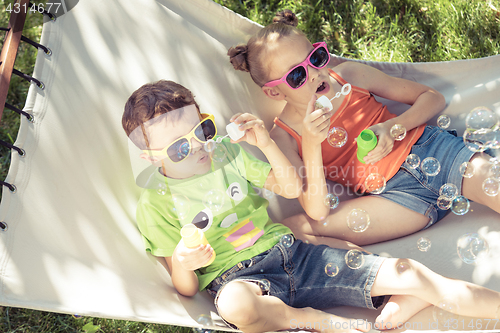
[
  {"x": 313, "y": 72},
  {"x": 195, "y": 145}
]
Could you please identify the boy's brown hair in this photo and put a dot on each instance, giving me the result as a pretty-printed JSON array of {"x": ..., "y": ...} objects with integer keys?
[{"x": 150, "y": 101}]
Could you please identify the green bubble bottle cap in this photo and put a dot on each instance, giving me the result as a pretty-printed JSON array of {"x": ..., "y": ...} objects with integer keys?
[{"x": 367, "y": 141}]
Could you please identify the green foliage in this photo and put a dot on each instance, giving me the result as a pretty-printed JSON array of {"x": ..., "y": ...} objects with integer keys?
[{"x": 379, "y": 30}]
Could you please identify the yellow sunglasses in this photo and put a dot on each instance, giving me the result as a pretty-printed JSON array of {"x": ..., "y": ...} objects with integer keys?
[{"x": 178, "y": 150}]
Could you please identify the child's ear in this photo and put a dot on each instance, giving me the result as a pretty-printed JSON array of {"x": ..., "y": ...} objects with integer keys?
[{"x": 273, "y": 93}]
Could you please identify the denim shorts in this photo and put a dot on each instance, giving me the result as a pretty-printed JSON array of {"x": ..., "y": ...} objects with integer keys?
[
  {"x": 298, "y": 276},
  {"x": 413, "y": 189}
]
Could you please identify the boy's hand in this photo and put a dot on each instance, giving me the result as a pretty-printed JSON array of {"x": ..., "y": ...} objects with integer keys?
[
  {"x": 191, "y": 259},
  {"x": 385, "y": 143},
  {"x": 256, "y": 133},
  {"x": 316, "y": 123}
]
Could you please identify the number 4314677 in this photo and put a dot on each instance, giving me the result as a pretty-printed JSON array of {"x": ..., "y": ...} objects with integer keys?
[{"x": 33, "y": 8}]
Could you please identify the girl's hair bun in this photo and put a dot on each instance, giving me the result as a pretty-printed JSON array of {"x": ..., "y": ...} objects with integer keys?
[
  {"x": 286, "y": 17},
  {"x": 238, "y": 57}
]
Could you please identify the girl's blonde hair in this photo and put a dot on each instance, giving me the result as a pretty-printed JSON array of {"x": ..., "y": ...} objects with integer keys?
[{"x": 250, "y": 57}]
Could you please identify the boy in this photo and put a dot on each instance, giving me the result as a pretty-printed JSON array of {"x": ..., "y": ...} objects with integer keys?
[{"x": 262, "y": 279}]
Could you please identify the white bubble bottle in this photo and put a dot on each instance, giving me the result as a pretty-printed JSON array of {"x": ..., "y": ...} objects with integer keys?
[{"x": 194, "y": 237}]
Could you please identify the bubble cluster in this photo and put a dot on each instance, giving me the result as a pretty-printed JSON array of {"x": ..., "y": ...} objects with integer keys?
[
  {"x": 413, "y": 161},
  {"x": 443, "y": 202},
  {"x": 444, "y": 312},
  {"x": 398, "y": 132},
  {"x": 460, "y": 205},
  {"x": 286, "y": 240},
  {"x": 471, "y": 247},
  {"x": 467, "y": 170},
  {"x": 430, "y": 166},
  {"x": 444, "y": 121},
  {"x": 214, "y": 199},
  {"x": 332, "y": 201},
  {"x": 448, "y": 190},
  {"x": 358, "y": 220},
  {"x": 375, "y": 183},
  {"x": 331, "y": 270},
  {"x": 354, "y": 259},
  {"x": 337, "y": 137},
  {"x": 479, "y": 140},
  {"x": 424, "y": 244},
  {"x": 162, "y": 189},
  {"x": 491, "y": 186}
]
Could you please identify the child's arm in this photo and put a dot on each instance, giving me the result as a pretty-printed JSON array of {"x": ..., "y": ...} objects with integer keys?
[
  {"x": 425, "y": 102},
  {"x": 314, "y": 131},
  {"x": 283, "y": 178},
  {"x": 182, "y": 265}
]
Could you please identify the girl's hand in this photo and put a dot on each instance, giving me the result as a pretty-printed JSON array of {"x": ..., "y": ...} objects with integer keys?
[
  {"x": 191, "y": 259},
  {"x": 385, "y": 143},
  {"x": 256, "y": 133},
  {"x": 316, "y": 123}
]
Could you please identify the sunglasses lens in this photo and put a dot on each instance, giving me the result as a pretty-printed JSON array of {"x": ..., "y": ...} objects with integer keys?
[
  {"x": 205, "y": 131},
  {"x": 319, "y": 58},
  {"x": 179, "y": 150},
  {"x": 297, "y": 77}
]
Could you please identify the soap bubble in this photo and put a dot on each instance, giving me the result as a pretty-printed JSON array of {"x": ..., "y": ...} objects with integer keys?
[
  {"x": 331, "y": 200},
  {"x": 460, "y": 205},
  {"x": 398, "y": 132},
  {"x": 180, "y": 206},
  {"x": 471, "y": 247},
  {"x": 264, "y": 285},
  {"x": 444, "y": 203},
  {"x": 424, "y": 244},
  {"x": 479, "y": 140},
  {"x": 430, "y": 166},
  {"x": 375, "y": 183},
  {"x": 358, "y": 220},
  {"x": 481, "y": 118},
  {"x": 210, "y": 145},
  {"x": 495, "y": 171},
  {"x": 286, "y": 240},
  {"x": 403, "y": 266},
  {"x": 444, "y": 312},
  {"x": 354, "y": 259},
  {"x": 413, "y": 161},
  {"x": 268, "y": 194},
  {"x": 331, "y": 270},
  {"x": 204, "y": 320},
  {"x": 443, "y": 121},
  {"x": 337, "y": 137},
  {"x": 491, "y": 186},
  {"x": 467, "y": 170},
  {"x": 219, "y": 153},
  {"x": 448, "y": 190},
  {"x": 214, "y": 199}
]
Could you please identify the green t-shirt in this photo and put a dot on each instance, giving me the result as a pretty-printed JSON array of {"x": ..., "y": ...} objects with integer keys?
[{"x": 221, "y": 202}]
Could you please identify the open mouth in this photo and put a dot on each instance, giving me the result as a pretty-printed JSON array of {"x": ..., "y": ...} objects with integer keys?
[{"x": 321, "y": 87}]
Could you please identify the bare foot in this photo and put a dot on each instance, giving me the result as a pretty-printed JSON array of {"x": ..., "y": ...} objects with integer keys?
[{"x": 398, "y": 310}]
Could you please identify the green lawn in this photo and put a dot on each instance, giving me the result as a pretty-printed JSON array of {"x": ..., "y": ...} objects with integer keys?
[{"x": 391, "y": 30}]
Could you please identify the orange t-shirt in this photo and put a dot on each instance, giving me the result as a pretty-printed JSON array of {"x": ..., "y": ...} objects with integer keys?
[{"x": 358, "y": 111}]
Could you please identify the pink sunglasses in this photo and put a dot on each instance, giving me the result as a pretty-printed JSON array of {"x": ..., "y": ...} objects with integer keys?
[{"x": 297, "y": 76}]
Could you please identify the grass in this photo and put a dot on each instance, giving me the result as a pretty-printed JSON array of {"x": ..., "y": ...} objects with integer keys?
[{"x": 378, "y": 30}]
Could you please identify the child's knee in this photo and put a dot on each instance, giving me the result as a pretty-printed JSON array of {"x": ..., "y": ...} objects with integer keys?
[{"x": 237, "y": 303}]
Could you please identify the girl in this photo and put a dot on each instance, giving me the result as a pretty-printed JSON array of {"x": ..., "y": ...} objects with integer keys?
[{"x": 287, "y": 67}]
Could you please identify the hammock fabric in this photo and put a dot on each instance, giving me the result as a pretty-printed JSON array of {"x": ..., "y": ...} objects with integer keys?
[{"x": 70, "y": 242}]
